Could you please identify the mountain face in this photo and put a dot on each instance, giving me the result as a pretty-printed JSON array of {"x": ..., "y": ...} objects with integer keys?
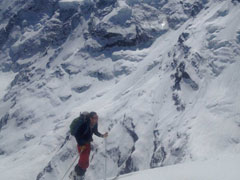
[{"x": 162, "y": 75}]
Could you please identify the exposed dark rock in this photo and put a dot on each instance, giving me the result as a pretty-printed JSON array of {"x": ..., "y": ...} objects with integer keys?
[
  {"x": 179, "y": 151},
  {"x": 174, "y": 63},
  {"x": 112, "y": 39},
  {"x": 181, "y": 74},
  {"x": 47, "y": 169},
  {"x": 129, "y": 165},
  {"x": 215, "y": 68},
  {"x": 238, "y": 37},
  {"x": 105, "y": 3},
  {"x": 40, "y": 85},
  {"x": 9, "y": 95},
  {"x": 185, "y": 75},
  {"x": 235, "y": 1},
  {"x": 196, "y": 8},
  {"x": 158, "y": 156},
  {"x": 185, "y": 49},
  {"x": 101, "y": 75},
  {"x": 133, "y": 32},
  {"x": 115, "y": 155},
  {"x": 4, "y": 120},
  {"x": 2, "y": 152},
  {"x": 122, "y": 70},
  {"x": 4, "y": 32},
  {"x": 181, "y": 107},
  {"x": 66, "y": 155},
  {"x": 126, "y": 164},
  {"x": 176, "y": 99},
  {"x": 5, "y": 67},
  {"x": 193, "y": 9},
  {"x": 40, "y": 71},
  {"x": 128, "y": 124},
  {"x": 70, "y": 69},
  {"x": 159, "y": 152},
  {"x": 183, "y": 37},
  {"x": 154, "y": 64},
  {"x": 65, "y": 98},
  {"x": 54, "y": 56},
  {"x": 66, "y": 14},
  {"x": 28, "y": 136},
  {"x": 55, "y": 32},
  {"x": 22, "y": 77},
  {"x": 81, "y": 89},
  {"x": 177, "y": 102},
  {"x": 30, "y": 14},
  {"x": 176, "y": 85},
  {"x": 174, "y": 22},
  {"x": 186, "y": 78},
  {"x": 25, "y": 50},
  {"x": 67, "y": 138},
  {"x": 58, "y": 73},
  {"x": 21, "y": 118}
]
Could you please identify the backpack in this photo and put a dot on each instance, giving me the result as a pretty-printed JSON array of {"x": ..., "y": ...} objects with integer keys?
[{"x": 77, "y": 122}]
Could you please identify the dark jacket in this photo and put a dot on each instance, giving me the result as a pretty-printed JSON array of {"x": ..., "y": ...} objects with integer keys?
[{"x": 85, "y": 132}]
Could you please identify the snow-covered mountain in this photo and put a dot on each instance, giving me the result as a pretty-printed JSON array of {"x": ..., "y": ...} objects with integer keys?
[
  {"x": 162, "y": 75},
  {"x": 220, "y": 169}
]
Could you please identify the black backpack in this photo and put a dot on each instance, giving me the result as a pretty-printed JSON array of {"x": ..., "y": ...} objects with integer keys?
[{"x": 77, "y": 122}]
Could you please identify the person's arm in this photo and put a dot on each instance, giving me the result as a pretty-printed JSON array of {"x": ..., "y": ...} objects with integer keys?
[{"x": 95, "y": 131}]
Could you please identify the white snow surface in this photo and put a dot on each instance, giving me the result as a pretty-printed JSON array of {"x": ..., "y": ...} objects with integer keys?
[
  {"x": 5, "y": 79},
  {"x": 221, "y": 169},
  {"x": 150, "y": 125}
]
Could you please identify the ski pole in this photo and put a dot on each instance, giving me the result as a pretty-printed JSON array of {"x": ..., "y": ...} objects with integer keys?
[
  {"x": 105, "y": 141},
  {"x": 70, "y": 167}
]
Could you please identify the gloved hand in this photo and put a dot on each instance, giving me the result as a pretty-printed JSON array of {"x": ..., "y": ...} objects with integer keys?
[{"x": 105, "y": 135}]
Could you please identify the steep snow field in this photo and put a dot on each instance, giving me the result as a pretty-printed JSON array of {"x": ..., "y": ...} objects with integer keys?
[
  {"x": 5, "y": 79},
  {"x": 221, "y": 169},
  {"x": 163, "y": 77}
]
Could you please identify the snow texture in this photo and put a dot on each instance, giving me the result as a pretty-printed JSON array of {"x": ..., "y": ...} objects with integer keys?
[
  {"x": 221, "y": 169},
  {"x": 162, "y": 75}
]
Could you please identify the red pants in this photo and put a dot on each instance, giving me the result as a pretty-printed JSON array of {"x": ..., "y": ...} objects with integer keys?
[{"x": 84, "y": 154}]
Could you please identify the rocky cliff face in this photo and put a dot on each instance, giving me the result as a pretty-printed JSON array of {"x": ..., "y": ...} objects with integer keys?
[{"x": 163, "y": 76}]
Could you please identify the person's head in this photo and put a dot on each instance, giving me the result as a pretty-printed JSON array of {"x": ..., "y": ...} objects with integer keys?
[{"x": 93, "y": 118}]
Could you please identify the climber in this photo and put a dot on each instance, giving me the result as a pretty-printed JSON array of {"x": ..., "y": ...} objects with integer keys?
[{"x": 87, "y": 124}]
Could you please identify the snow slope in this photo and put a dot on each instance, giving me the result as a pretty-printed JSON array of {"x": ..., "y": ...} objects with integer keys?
[
  {"x": 5, "y": 79},
  {"x": 221, "y": 169},
  {"x": 163, "y": 77}
]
